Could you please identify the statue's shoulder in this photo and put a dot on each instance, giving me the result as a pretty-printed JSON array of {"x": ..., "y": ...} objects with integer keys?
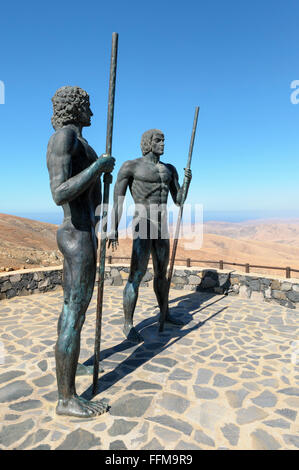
[
  {"x": 64, "y": 140},
  {"x": 129, "y": 166},
  {"x": 171, "y": 168}
]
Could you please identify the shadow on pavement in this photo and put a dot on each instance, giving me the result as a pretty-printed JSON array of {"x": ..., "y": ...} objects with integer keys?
[{"x": 154, "y": 342}]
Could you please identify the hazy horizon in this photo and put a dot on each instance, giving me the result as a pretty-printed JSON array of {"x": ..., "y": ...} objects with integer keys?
[{"x": 233, "y": 216}]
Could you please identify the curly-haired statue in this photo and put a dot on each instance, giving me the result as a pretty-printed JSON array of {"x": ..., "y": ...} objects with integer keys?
[
  {"x": 68, "y": 104},
  {"x": 150, "y": 182},
  {"x": 74, "y": 171}
]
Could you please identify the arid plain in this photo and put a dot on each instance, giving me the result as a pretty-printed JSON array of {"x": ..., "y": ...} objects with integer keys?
[{"x": 26, "y": 243}]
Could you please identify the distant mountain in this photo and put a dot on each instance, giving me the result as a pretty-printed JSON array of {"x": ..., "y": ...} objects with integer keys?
[
  {"x": 259, "y": 242},
  {"x": 25, "y": 243},
  {"x": 285, "y": 232},
  {"x": 28, "y": 243}
]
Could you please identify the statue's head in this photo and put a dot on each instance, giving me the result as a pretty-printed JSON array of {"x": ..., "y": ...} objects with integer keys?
[
  {"x": 71, "y": 106},
  {"x": 152, "y": 141}
]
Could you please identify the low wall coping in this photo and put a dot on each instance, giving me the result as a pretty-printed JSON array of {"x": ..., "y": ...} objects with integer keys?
[{"x": 177, "y": 268}]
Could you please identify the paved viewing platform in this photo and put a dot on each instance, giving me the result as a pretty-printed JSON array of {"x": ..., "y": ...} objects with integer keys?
[{"x": 227, "y": 379}]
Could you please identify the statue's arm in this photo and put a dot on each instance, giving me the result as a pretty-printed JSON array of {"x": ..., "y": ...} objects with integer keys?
[
  {"x": 179, "y": 193},
  {"x": 65, "y": 188},
  {"x": 124, "y": 176}
]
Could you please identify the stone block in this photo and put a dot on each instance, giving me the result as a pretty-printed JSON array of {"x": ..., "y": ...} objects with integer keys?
[
  {"x": 223, "y": 279},
  {"x": 11, "y": 293},
  {"x": 265, "y": 282},
  {"x": 194, "y": 280},
  {"x": 268, "y": 293},
  {"x": 244, "y": 292},
  {"x": 39, "y": 276},
  {"x": 16, "y": 278},
  {"x": 115, "y": 272},
  {"x": 278, "y": 294},
  {"x": 117, "y": 280},
  {"x": 286, "y": 286},
  {"x": 44, "y": 284},
  {"x": 293, "y": 296},
  {"x": 32, "y": 285},
  {"x": 275, "y": 284},
  {"x": 179, "y": 272},
  {"x": 6, "y": 286},
  {"x": 24, "y": 291},
  {"x": 254, "y": 285},
  {"x": 236, "y": 288},
  {"x": 178, "y": 280}
]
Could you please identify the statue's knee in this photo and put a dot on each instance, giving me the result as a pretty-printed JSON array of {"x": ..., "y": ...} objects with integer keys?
[
  {"x": 64, "y": 342},
  {"x": 138, "y": 279},
  {"x": 161, "y": 277}
]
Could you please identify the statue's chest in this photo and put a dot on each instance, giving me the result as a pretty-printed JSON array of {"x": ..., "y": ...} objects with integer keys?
[
  {"x": 83, "y": 158},
  {"x": 153, "y": 173}
]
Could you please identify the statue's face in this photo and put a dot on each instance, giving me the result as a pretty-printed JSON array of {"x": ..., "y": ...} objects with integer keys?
[
  {"x": 158, "y": 144},
  {"x": 86, "y": 115}
]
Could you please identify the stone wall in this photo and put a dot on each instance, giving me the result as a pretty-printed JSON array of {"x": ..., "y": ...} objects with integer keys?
[
  {"x": 25, "y": 282},
  {"x": 254, "y": 286}
]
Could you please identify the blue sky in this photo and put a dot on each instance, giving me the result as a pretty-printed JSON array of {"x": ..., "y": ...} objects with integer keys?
[{"x": 234, "y": 59}]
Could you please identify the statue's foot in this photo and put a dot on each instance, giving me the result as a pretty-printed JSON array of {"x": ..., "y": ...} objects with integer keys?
[
  {"x": 81, "y": 408},
  {"x": 170, "y": 319},
  {"x": 132, "y": 334}
]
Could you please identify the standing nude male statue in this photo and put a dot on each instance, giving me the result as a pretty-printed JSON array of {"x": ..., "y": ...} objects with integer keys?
[
  {"x": 150, "y": 181},
  {"x": 74, "y": 170}
]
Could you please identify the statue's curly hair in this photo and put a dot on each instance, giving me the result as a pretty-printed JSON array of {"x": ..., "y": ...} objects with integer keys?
[
  {"x": 146, "y": 140},
  {"x": 68, "y": 103}
]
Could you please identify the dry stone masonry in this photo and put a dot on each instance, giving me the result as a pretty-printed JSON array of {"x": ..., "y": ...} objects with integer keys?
[{"x": 254, "y": 286}]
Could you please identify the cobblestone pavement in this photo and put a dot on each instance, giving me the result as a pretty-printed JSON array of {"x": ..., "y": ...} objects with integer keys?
[{"x": 227, "y": 379}]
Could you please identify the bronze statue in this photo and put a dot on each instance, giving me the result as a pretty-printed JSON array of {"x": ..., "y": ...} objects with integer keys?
[
  {"x": 74, "y": 170},
  {"x": 150, "y": 181}
]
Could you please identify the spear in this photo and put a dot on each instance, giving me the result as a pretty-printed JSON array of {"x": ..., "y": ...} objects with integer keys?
[
  {"x": 107, "y": 181},
  {"x": 178, "y": 225}
]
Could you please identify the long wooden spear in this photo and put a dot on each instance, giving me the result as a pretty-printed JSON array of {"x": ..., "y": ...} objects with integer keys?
[
  {"x": 179, "y": 220},
  {"x": 107, "y": 181}
]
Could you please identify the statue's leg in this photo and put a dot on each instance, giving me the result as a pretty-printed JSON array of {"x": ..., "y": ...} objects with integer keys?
[
  {"x": 139, "y": 262},
  {"x": 79, "y": 277},
  {"x": 160, "y": 255}
]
